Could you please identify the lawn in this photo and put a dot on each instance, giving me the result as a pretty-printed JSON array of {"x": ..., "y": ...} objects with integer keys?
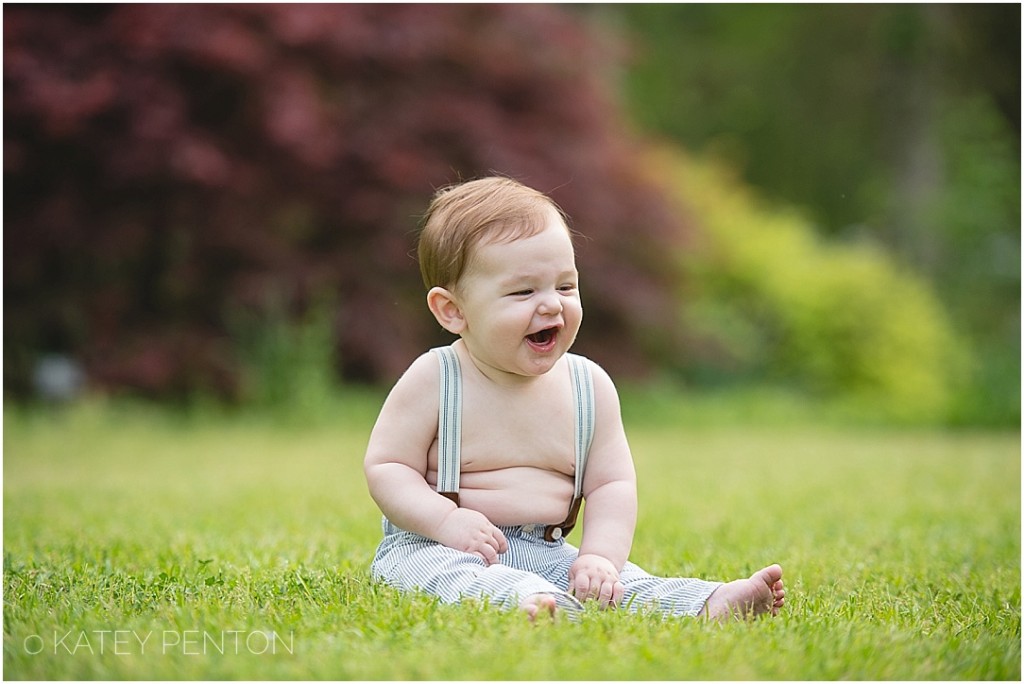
[{"x": 147, "y": 544}]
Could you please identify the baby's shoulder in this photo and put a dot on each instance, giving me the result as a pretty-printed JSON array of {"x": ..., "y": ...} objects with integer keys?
[
  {"x": 593, "y": 367},
  {"x": 423, "y": 370},
  {"x": 418, "y": 381},
  {"x": 605, "y": 391}
]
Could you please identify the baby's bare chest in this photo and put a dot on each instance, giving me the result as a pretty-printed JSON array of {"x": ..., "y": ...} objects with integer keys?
[{"x": 498, "y": 433}]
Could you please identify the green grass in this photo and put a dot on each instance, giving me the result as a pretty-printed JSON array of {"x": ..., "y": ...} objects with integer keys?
[{"x": 205, "y": 533}]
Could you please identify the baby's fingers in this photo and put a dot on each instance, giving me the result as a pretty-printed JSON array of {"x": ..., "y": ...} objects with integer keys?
[
  {"x": 618, "y": 593},
  {"x": 605, "y": 594},
  {"x": 581, "y": 586},
  {"x": 500, "y": 543},
  {"x": 484, "y": 549},
  {"x": 611, "y": 594}
]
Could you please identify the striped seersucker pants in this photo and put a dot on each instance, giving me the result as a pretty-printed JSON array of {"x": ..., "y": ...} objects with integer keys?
[{"x": 411, "y": 562}]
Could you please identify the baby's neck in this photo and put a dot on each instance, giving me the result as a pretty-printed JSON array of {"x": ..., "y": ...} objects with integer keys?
[{"x": 497, "y": 376}]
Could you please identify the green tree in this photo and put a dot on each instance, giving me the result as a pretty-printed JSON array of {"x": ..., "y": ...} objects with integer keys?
[{"x": 900, "y": 123}]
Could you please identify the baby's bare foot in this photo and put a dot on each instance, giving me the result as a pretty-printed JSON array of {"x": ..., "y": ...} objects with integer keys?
[
  {"x": 538, "y": 604},
  {"x": 762, "y": 593}
]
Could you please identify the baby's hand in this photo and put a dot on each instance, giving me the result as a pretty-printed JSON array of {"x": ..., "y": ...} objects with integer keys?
[
  {"x": 594, "y": 577},
  {"x": 470, "y": 531}
]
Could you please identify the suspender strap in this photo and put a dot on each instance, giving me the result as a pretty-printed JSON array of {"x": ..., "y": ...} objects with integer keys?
[
  {"x": 583, "y": 398},
  {"x": 449, "y": 424},
  {"x": 449, "y": 431}
]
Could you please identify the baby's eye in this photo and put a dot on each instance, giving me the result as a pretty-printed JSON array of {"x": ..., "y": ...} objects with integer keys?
[
  {"x": 568, "y": 287},
  {"x": 521, "y": 293}
]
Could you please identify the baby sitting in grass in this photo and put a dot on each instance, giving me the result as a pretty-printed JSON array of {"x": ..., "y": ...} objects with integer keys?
[{"x": 484, "y": 451}]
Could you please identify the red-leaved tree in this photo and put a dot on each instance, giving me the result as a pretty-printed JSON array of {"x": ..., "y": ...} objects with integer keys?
[{"x": 168, "y": 165}]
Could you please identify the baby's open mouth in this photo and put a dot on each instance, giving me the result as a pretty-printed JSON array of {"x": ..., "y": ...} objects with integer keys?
[{"x": 543, "y": 337}]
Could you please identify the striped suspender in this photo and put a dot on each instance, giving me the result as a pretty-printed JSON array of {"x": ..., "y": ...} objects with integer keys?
[
  {"x": 449, "y": 431},
  {"x": 583, "y": 398},
  {"x": 583, "y": 395},
  {"x": 449, "y": 424}
]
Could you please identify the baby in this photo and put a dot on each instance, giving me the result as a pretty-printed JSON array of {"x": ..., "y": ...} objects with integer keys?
[{"x": 484, "y": 451}]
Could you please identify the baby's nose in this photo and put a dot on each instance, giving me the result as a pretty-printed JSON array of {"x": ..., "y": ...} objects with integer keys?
[{"x": 550, "y": 304}]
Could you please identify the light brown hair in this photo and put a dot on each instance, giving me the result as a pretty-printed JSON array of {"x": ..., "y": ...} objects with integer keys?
[{"x": 461, "y": 216}]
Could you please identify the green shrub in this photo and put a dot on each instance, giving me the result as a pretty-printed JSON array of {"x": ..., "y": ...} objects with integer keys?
[
  {"x": 289, "y": 364},
  {"x": 774, "y": 302}
]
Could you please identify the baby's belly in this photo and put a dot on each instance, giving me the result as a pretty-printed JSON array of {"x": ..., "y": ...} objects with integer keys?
[{"x": 515, "y": 496}]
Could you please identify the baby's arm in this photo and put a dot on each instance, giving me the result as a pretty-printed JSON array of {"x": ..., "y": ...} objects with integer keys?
[
  {"x": 396, "y": 467},
  {"x": 610, "y": 514}
]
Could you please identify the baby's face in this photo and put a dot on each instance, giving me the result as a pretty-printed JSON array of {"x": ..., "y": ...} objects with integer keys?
[{"x": 521, "y": 301}]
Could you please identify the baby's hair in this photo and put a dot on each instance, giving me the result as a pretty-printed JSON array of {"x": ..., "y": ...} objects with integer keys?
[{"x": 463, "y": 215}]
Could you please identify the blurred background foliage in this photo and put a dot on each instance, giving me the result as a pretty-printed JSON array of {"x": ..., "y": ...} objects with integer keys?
[
  {"x": 222, "y": 200},
  {"x": 770, "y": 301},
  {"x": 894, "y": 132}
]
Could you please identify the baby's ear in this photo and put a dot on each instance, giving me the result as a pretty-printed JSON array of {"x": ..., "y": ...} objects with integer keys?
[{"x": 446, "y": 310}]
